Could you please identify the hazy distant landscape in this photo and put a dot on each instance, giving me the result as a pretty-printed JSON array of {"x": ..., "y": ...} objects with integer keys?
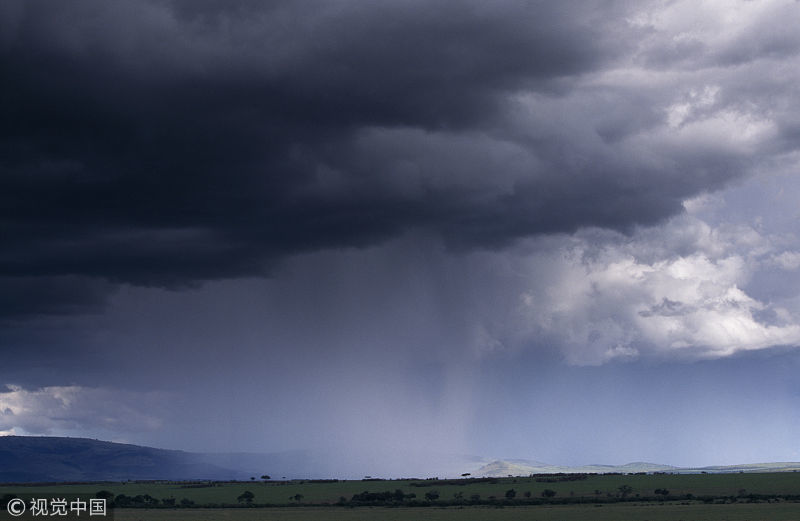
[
  {"x": 50, "y": 459},
  {"x": 152, "y": 484}
]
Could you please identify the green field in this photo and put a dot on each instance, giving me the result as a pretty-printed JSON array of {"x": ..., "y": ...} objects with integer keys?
[
  {"x": 279, "y": 493},
  {"x": 741, "y": 496},
  {"x": 626, "y": 512}
]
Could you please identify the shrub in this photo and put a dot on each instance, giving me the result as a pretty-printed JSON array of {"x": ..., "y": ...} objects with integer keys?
[
  {"x": 104, "y": 494},
  {"x": 6, "y": 499}
]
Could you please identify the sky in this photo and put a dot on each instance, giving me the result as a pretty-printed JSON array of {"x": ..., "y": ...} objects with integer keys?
[{"x": 559, "y": 231}]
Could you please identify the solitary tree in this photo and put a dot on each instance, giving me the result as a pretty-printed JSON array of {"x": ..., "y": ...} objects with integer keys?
[
  {"x": 246, "y": 496},
  {"x": 432, "y": 495},
  {"x": 548, "y": 493},
  {"x": 265, "y": 477},
  {"x": 511, "y": 493},
  {"x": 625, "y": 490}
]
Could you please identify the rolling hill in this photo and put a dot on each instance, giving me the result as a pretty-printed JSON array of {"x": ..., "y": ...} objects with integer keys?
[
  {"x": 502, "y": 468},
  {"x": 37, "y": 459}
]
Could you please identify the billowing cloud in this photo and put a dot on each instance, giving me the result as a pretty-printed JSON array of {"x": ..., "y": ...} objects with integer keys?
[
  {"x": 674, "y": 292},
  {"x": 171, "y": 143},
  {"x": 694, "y": 35},
  {"x": 63, "y": 410},
  {"x": 788, "y": 260},
  {"x": 396, "y": 220}
]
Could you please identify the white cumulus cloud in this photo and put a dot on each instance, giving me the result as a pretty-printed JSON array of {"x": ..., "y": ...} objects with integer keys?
[
  {"x": 74, "y": 409},
  {"x": 673, "y": 291}
]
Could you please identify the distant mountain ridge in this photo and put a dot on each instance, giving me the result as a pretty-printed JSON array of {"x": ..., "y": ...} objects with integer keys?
[
  {"x": 27, "y": 459},
  {"x": 57, "y": 459},
  {"x": 44, "y": 459},
  {"x": 516, "y": 467}
]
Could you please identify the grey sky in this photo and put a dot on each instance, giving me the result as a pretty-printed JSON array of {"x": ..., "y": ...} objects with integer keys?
[{"x": 560, "y": 231}]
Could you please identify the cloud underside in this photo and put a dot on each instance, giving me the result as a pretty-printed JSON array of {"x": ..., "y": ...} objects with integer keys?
[{"x": 169, "y": 144}]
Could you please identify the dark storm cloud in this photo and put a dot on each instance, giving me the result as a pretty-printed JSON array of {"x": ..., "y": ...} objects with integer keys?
[
  {"x": 171, "y": 143},
  {"x": 62, "y": 295}
]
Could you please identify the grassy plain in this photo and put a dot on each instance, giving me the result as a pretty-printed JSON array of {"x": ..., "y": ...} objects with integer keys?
[
  {"x": 730, "y": 497},
  {"x": 279, "y": 493},
  {"x": 617, "y": 512}
]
